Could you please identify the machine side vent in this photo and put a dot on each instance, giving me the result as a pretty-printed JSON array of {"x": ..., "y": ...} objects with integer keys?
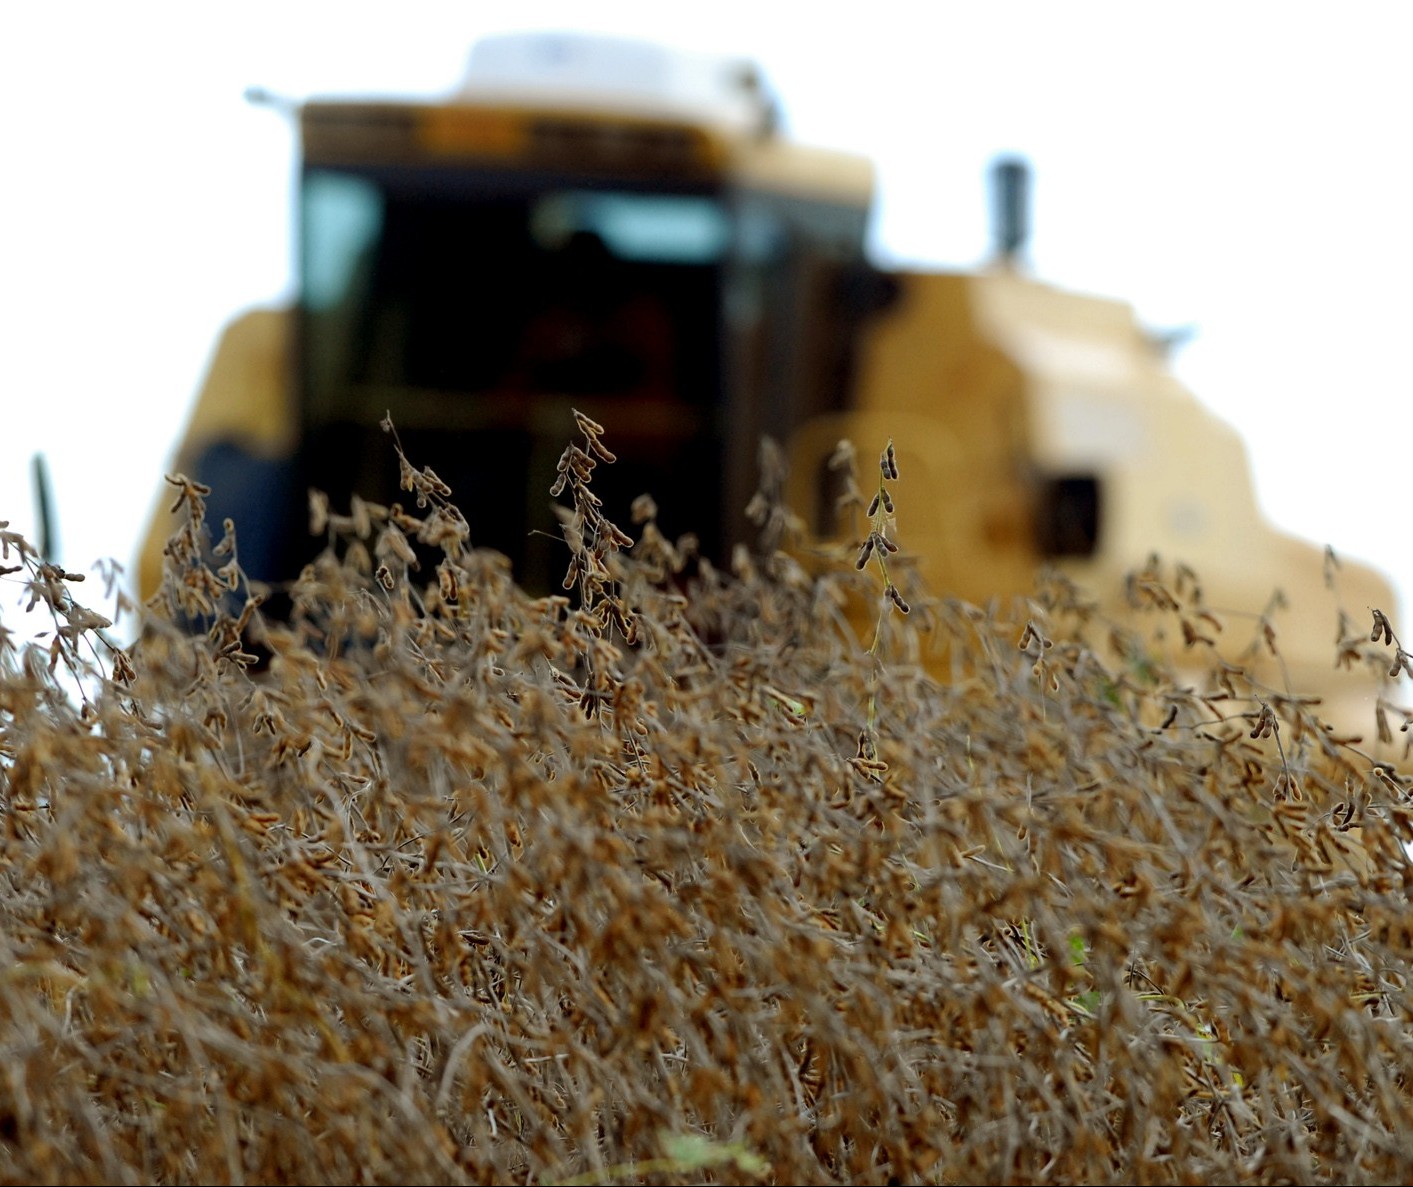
[{"x": 1069, "y": 516}]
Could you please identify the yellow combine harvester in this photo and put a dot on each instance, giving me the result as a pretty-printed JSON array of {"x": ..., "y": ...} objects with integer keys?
[{"x": 604, "y": 225}]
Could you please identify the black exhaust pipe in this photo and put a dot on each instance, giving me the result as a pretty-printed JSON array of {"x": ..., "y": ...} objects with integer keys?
[{"x": 1010, "y": 183}]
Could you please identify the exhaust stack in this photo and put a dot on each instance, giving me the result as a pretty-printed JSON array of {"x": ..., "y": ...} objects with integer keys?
[{"x": 1010, "y": 183}]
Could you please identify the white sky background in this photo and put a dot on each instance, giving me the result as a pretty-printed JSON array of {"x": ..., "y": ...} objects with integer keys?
[{"x": 1243, "y": 168}]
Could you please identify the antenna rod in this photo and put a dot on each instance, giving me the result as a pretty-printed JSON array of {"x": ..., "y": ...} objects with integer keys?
[{"x": 44, "y": 505}]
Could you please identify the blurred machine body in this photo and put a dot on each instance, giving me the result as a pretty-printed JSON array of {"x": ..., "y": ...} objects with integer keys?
[{"x": 609, "y": 226}]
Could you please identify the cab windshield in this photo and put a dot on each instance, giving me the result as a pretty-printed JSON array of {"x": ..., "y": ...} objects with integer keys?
[
  {"x": 481, "y": 307},
  {"x": 561, "y": 292}
]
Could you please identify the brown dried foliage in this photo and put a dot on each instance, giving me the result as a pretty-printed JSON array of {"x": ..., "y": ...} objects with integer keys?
[{"x": 461, "y": 885}]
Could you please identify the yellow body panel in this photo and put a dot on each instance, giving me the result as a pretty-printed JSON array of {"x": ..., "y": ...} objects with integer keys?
[
  {"x": 244, "y": 400},
  {"x": 990, "y": 382},
  {"x": 955, "y": 408}
]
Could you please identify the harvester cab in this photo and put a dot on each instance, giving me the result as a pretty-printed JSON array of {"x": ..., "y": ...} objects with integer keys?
[
  {"x": 607, "y": 226},
  {"x": 588, "y": 224}
]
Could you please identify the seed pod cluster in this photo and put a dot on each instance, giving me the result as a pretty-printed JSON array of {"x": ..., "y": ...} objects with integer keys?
[{"x": 462, "y": 888}]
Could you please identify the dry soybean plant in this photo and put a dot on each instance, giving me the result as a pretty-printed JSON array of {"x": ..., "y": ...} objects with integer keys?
[{"x": 436, "y": 881}]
